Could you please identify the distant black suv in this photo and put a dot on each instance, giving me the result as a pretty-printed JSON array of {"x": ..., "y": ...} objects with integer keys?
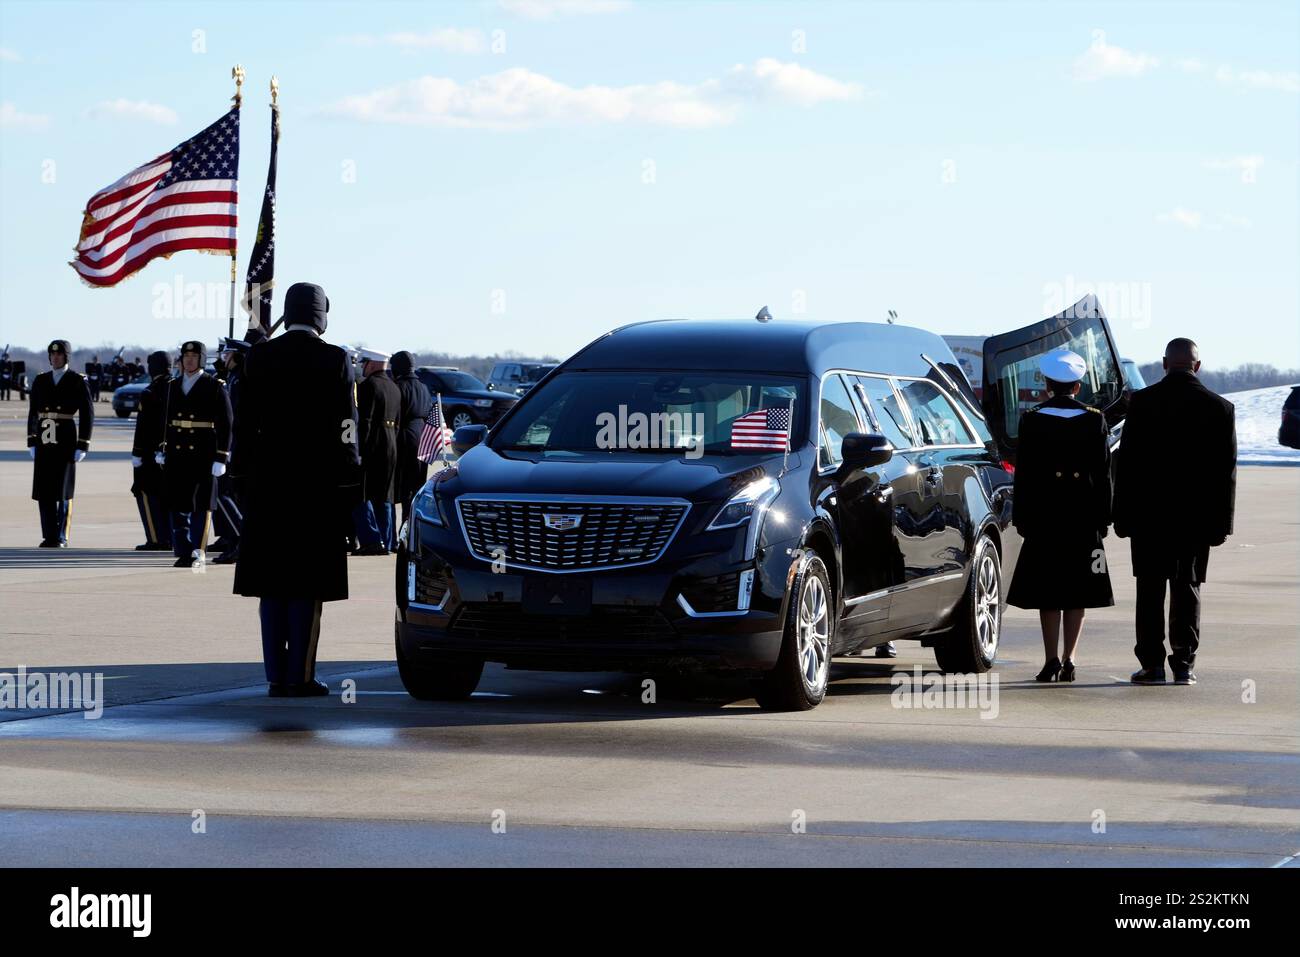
[
  {"x": 465, "y": 399},
  {"x": 639, "y": 510}
]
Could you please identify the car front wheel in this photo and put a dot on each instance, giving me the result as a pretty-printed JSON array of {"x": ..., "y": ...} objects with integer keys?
[
  {"x": 446, "y": 679},
  {"x": 798, "y": 682},
  {"x": 972, "y": 645},
  {"x": 460, "y": 419}
]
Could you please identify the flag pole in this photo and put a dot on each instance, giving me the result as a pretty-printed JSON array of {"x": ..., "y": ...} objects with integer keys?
[{"x": 238, "y": 73}]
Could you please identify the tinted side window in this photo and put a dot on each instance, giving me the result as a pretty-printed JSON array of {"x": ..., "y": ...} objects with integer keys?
[
  {"x": 886, "y": 412},
  {"x": 838, "y": 419},
  {"x": 934, "y": 414}
]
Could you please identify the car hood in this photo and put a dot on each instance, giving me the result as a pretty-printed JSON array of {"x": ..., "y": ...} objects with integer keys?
[
  {"x": 131, "y": 387},
  {"x": 483, "y": 470}
]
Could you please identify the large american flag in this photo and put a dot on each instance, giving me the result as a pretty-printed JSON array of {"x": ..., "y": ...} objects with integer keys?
[
  {"x": 762, "y": 429},
  {"x": 183, "y": 199},
  {"x": 436, "y": 437}
]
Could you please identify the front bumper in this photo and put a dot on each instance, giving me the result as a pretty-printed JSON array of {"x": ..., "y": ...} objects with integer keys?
[{"x": 641, "y": 618}]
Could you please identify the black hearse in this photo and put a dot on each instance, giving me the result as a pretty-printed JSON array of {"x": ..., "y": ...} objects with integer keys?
[{"x": 639, "y": 509}]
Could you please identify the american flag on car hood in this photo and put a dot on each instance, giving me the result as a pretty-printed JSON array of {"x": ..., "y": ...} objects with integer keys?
[
  {"x": 183, "y": 199},
  {"x": 435, "y": 440},
  {"x": 763, "y": 429}
]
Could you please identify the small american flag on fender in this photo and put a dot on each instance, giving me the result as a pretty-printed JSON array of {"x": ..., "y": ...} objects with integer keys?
[
  {"x": 763, "y": 429},
  {"x": 435, "y": 440}
]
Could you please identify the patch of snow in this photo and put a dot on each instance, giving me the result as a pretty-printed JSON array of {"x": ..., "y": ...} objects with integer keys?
[{"x": 1259, "y": 413}]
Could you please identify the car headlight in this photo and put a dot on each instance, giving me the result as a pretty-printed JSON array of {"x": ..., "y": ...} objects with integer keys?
[
  {"x": 748, "y": 505},
  {"x": 483, "y": 403},
  {"x": 425, "y": 506}
]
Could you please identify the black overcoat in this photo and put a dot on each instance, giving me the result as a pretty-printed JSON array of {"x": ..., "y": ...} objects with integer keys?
[
  {"x": 147, "y": 478},
  {"x": 1176, "y": 476},
  {"x": 296, "y": 457},
  {"x": 52, "y": 431},
  {"x": 411, "y": 472},
  {"x": 1061, "y": 506},
  {"x": 379, "y": 407}
]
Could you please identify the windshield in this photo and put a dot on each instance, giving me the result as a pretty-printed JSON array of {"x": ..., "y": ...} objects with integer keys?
[
  {"x": 535, "y": 373},
  {"x": 459, "y": 382},
  {"x": 656, "y": 412}
]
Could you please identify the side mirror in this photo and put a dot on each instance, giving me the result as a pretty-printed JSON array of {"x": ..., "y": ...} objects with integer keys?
[
  {"x": 466, "y": 437},
  {"x": 864, "y": 450}
]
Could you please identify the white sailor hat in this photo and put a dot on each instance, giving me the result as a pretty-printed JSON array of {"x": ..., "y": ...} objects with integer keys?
[
  {"x": 370, "y": 355},
  {"x": 1062, "y": 365}
]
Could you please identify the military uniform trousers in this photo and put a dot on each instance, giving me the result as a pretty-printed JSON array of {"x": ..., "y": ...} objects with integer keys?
[{"x": 290, "y": 634}]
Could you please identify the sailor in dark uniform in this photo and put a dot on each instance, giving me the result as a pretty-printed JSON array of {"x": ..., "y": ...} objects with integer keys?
[
  {"x": 1061, "y": 507},
  {"x": 196, "y": 444},
  {"x": 379, "y": 406},
  {"x": 58, "y": 398},
  {"x": 117, "y": 374},
  {"x": 146, "y": 476}
]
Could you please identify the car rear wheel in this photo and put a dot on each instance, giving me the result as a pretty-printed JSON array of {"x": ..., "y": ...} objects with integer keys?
[
  {"x": 798, "y": 682},
  {"x": 123, "y": 413},
  {"x": 461, "y": 419},
  {"x": 445, "y": 679},
  {"x": 972, "y": 645}
]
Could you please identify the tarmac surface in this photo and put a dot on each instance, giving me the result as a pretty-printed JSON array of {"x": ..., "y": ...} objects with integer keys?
[{"x": 191, "y": 764}]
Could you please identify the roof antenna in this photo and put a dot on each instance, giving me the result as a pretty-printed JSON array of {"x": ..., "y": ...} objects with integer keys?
[
  {"x": 893, "y": 317},
  {"x": 764, "y": 315}
]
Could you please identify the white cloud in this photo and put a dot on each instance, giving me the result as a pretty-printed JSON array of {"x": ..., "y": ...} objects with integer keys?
[
  {"x": 134, "y": 109},
  {"x": 1192, "y": 219},
  {"x": 1102, "y": 60},
  {"x": 1191, "y": 65},
  {"x": 10, "y": 56},
  {"x": 550, "y": 9},
  {"x": 12, "y": 119},
  {"x": 1186, "y": 218},
  {"x": 446, "y": 39},
  {"x": 519, "y": 98},
  {"x": 1259, "y": 79},
  {"x": 1246, "y": 165}
]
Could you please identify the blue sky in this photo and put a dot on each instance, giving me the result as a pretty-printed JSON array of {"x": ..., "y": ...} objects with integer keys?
[{"x": 528, "y": 174}]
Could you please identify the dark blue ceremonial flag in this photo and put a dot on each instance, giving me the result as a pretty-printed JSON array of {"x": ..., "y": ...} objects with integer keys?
[{"x": 261, "y": 264}]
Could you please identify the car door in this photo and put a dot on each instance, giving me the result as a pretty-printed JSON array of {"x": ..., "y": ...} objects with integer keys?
[{"x": 1013, "y": 384}]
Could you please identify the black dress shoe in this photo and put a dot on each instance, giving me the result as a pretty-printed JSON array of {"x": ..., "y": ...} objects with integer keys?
[
  {"x": 365, "y": 550},
  {"x": 311, "y": 689},
  {"x": 48, "y": 544},
  {"x": 276, "y": 690},
  {"x": 1148, "y": 676},
  {"x": 185, "y": 563},
  {"x": 222, "y": 544},
  {"x": 228, "y": 557},
  {"x": 887, "y": 650},
  {"x": 1050, "y": 671},
  {"x": 1185, "y": 677}
]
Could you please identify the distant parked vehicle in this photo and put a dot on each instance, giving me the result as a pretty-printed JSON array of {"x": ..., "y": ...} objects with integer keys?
[
  {"x": 1289, "y": 433},
  {"x": 465, "y": 399},
  {"x": 516, "y": 378},
  {"x": 126, "y": 399}
]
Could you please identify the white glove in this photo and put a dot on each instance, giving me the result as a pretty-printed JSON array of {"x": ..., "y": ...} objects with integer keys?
[
  {"x": 218, "y": 469},
  {"x": 159, "y": 458},
  {"x": 31, "y": 451},
  {"x": 78, "y": 455},
  {"x": 136, "y": 461}
]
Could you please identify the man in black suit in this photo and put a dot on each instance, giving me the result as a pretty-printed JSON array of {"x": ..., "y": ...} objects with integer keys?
[
  {"x": 196, "y": 445},
  {"x": 296, "y": 460},
  {"x": 59, "y": 422},
  {"x": 6, "y": 376},
  {"x": 1175, "y": 490},
  {"x": 93, "y": 371},
  {"x": 411, "y": 472},
  {"x": 379, "y": 407}
]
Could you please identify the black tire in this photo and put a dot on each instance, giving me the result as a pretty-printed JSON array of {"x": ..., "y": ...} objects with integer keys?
[
  {"x": 786, "y": 687},
  {"x": 967, "y": 647},
  {"x": 123, "y": 413},
  {"x": 449, "y": 679},
  {"x": 459, "y": 418}
]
